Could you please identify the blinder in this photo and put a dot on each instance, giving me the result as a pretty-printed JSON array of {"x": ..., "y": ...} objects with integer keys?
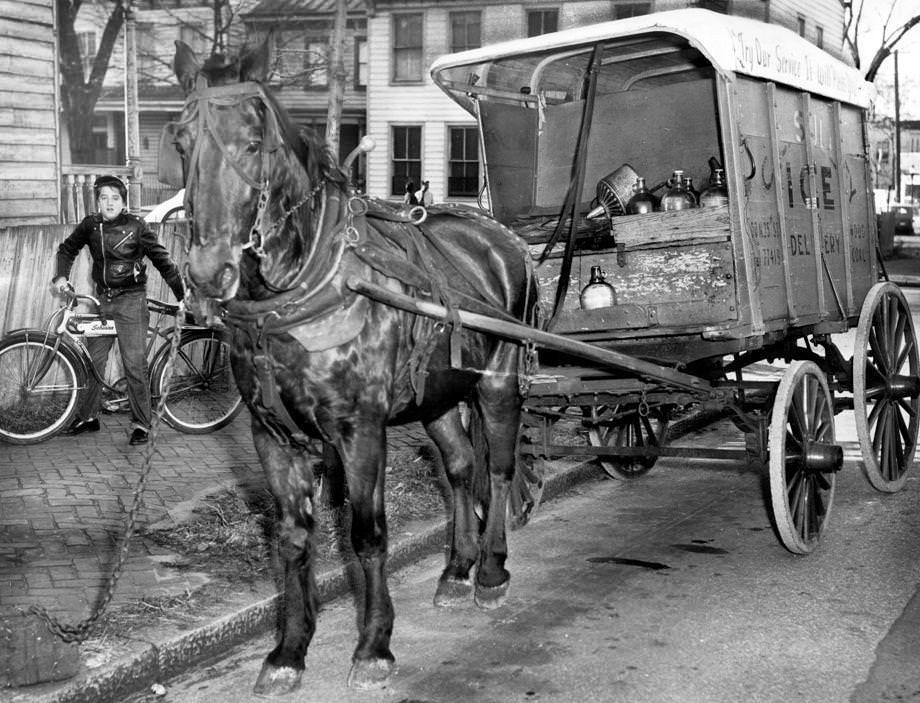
[{"x": 169, "y": 161}]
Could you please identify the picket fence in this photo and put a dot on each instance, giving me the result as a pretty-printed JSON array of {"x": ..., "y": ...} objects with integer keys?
[{"x": 27, "y": 260}]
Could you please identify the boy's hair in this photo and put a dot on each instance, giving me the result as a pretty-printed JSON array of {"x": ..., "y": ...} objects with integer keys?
[{"x": 111, "y": 182}]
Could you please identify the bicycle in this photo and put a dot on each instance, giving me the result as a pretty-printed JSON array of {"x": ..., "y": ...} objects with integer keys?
[{"x": 44, "y": 371}]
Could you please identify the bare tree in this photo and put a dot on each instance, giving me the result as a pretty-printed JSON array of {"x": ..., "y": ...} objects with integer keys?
[
  {"x": 892, "y": 33},
  {"x": 79, "y": 93}
]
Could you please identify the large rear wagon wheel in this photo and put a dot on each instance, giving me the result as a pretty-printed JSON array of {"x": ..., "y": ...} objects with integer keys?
[
  {"x": 804, "y": 456},
  {"x": 886, "y": 389}
]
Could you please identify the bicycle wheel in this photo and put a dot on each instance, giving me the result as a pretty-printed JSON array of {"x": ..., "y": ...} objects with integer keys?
[
  {"x": 203, "y": 396},
  {"x": 39, "y": 387}
]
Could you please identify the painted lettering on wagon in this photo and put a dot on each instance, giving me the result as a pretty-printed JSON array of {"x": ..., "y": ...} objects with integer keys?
[
  {"x": 799, "y": 189},
  {"x": 859, "y": 244},
  {"x": 767, "y": 237}
]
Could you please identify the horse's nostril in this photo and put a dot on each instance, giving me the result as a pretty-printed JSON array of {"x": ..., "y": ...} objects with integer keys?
[{"x": 228, "y": 276}]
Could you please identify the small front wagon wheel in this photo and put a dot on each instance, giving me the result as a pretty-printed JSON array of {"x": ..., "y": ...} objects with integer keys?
[
  {"x": 804, "y": 456},
  {"x": 886, "y": 388},
  {"x": 635, "y": 430}
]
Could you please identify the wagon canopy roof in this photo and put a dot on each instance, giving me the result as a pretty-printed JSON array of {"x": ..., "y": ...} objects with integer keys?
[{"x": 649, "y": 49}]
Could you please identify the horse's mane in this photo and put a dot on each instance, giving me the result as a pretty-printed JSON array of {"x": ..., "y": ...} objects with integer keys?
[{"x": 313, "y": 153}]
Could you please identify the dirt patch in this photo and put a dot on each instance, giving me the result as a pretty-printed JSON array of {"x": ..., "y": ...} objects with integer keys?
[{"x": 230, "y": 536}]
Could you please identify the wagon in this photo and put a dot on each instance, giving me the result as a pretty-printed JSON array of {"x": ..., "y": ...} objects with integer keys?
[{"x": 743, "y": 307}]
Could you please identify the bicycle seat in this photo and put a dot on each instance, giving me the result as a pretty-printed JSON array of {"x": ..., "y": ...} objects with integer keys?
[{"x": 162, "y": 307}]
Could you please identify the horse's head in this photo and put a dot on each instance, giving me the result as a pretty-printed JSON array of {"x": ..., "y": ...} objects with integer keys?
[{"x": 251, "y": 181}]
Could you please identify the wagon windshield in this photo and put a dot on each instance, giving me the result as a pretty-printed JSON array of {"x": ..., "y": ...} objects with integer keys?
[{"x": 557, "y": 76}]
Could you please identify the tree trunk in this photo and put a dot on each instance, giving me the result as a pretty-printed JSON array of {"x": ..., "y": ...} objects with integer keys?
[{"x": 79, "y": 95}]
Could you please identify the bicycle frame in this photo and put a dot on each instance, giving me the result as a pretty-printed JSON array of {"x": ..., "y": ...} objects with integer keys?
[{"x": 68, "y": 327}]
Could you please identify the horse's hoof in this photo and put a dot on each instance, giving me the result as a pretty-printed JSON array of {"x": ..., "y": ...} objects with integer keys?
[
  {"x": 277, "y": 680},
  {"x": 370, "y": 674},
  {"x": 491, "y": 597},
  {"x": 452, "y": 593}
]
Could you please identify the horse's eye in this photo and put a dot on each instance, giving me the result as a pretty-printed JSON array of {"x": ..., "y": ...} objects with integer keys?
[{"x": 254, "y": 147}]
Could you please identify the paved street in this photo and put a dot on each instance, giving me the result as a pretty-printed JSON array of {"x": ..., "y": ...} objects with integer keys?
[{"x": 669, "y": 589}]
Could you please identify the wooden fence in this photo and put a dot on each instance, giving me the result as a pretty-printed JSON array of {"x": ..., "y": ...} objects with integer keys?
[{"x": 27, "y": 259}]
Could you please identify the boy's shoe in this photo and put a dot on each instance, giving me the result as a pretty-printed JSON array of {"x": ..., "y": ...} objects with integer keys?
[
  {"x": 81, "y": 426},
  {"x": 139, "y": 436}
]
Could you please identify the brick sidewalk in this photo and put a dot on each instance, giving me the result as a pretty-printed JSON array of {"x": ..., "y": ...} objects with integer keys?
[{"x": 64, "y": 503}]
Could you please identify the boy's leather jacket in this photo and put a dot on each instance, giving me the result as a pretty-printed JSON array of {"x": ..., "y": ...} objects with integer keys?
[{"x": 118, "y": 248}]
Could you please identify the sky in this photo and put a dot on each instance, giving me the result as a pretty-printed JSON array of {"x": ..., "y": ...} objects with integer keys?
[{"x": 874, "y": 14}]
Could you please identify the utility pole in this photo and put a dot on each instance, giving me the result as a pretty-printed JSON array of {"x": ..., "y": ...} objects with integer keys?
[
  {"x": 897, "y": 132},
  {"x": 337, "y": 78},
  {"x": 132, "y": 116}
]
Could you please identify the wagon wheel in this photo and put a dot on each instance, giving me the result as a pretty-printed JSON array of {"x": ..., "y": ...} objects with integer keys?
[
  {"x": 886, "y": 389},
  {"x": 635, "y": 430},
  {"x": 804, "y": 457}
]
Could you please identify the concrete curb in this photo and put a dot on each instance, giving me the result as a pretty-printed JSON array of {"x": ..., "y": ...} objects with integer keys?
[{"x": 156, "y": 662}]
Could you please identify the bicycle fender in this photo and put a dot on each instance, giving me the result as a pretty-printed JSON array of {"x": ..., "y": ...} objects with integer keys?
[{"x": 68, "y": 346}]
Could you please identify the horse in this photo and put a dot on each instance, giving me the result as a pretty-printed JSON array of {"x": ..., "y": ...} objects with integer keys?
[{"x": 278, "y": 238}]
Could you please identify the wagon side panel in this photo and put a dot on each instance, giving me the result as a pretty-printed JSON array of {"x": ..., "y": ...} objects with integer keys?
[
  {"x": 857, "y": 207},
  {"x": 762, "y": 204},
  {"x": 794, "y": 181}
]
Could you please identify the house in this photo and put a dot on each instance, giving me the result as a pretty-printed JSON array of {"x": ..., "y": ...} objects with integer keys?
[
  {"x": 300, "y": 31},
  {"x": 419, "y": 132},
  {"x": 30, "y": 164},
  {"x": 882, "y": 141},
  {"x": 423, "y": 136}
]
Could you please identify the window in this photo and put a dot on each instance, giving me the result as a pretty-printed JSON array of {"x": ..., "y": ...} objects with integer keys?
[
  {"x": 463, "y": 162},
  {"x": 195, "y": 37},
  {"x": 542, "y": 22},
  {"x": 407, "y": 47},
  {"x": 407, "y": 158},
  {"x": 632, "y": 9},
  {"x": 317, "y": 64},
  {"x": 819, "y": 37},
  {"x": 291, "y": 56},
  {"x": 87, "y": 42},
  {"x": 360, "y": 62},
  {"x": 714, "y": 5},
  {"x": 800, "y": 22},
  {"x": 148, "y": 65},
  {"x": 465, "y": 30}
]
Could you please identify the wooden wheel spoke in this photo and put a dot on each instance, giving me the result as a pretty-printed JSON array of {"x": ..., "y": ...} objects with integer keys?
[
  {"x": 798, "y": 422},
  {"x": 878, "y": 346},
  {"x": 873, "y": 415},
  {"x": 906, "y": 353},
  {"x": 649, "y": 431},
  {"x": 881, "y": 435},
  {"x": 907, "y": 407}
]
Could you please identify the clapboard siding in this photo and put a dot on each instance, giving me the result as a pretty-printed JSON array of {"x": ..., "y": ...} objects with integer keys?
[
  {"x": 27, "y": 257},
  {"x": 828, "y": 14},
  {"x": 29, "y": 152}
]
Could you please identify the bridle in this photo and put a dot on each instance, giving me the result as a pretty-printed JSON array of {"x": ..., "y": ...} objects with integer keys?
[{"x": 203, "y": 97}]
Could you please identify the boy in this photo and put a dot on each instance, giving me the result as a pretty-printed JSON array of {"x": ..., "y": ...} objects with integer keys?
[{"x": 118, "y": 243}]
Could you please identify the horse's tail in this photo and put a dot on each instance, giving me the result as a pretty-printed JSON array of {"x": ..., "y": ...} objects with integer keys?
[{"x": 480, "y": 485}]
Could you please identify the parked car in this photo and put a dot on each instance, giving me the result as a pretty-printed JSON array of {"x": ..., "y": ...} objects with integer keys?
[
  {"x": 168, "y": 209},
  {"x": 903, "y": 219}
]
